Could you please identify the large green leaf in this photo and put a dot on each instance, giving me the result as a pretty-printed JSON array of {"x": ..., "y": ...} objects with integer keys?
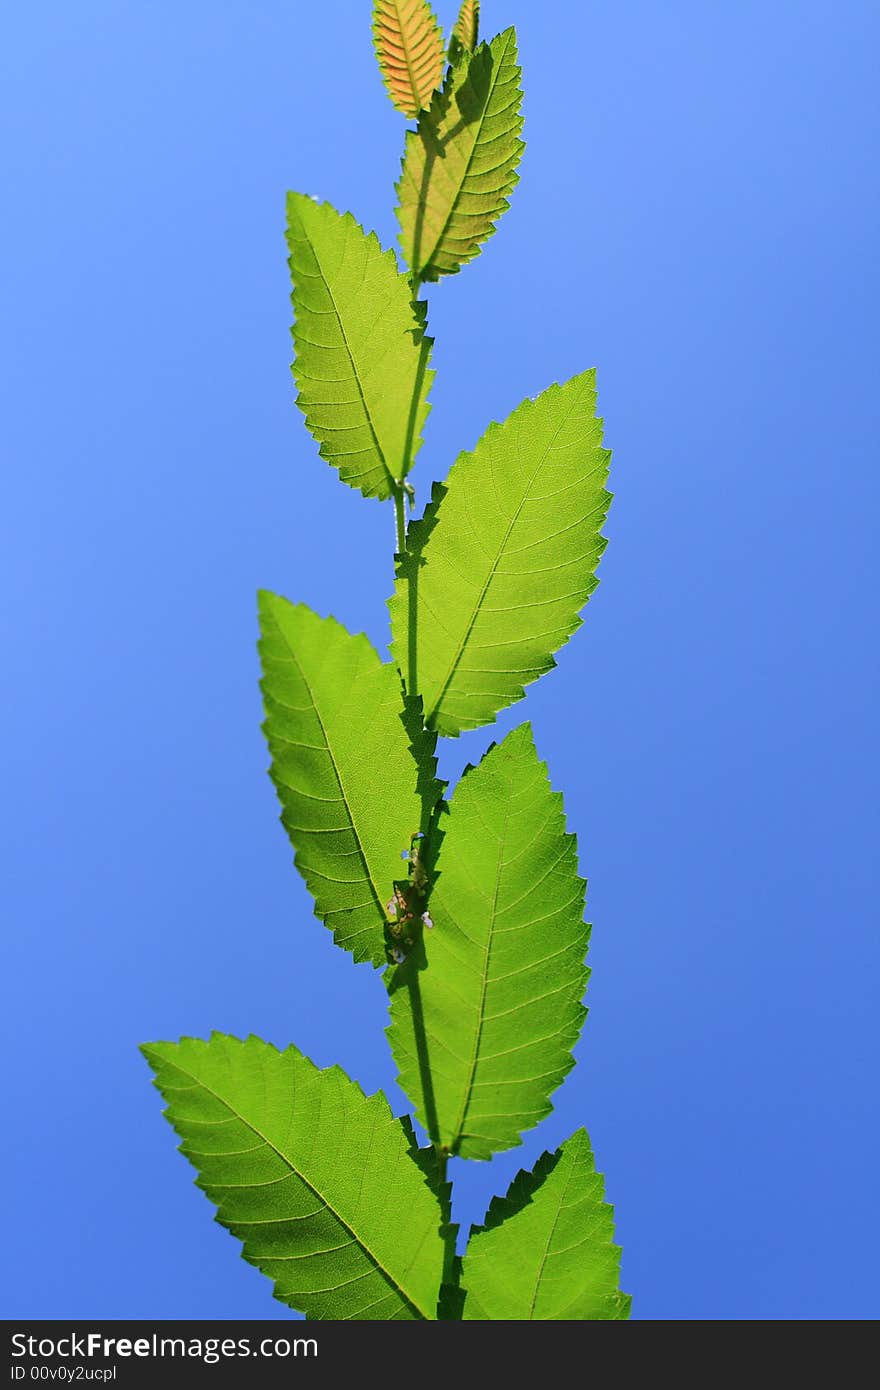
[
  {"x": 460, "y": 165},
  {"x": 503, "y": 560},
  {"x": 484, "y": 1018},
  {"x": 354, "y": 774},
  {"x": 319, "y": 1181},
  {"x": 546, "y": 1250},
  {"x": 409, "y": 46},
  {"x": 361, "y": 352}
]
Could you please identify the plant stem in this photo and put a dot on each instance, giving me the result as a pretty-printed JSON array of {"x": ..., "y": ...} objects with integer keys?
[
  {"x": 400, "y": 519},
  {"x": 401, "y": 489}
]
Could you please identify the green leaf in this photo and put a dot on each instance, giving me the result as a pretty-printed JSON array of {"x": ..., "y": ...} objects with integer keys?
[
  {"x": 467, "y": 26},
  {"x": 484, "y": 1016},
  {"x": 460, "y": 165},
  {"x": 354, "y": 774},
  {"x": 361, "y": 361},
  {"x": 503, "y": 559},
  {"x": 318, "y": 1180},
  {"x": 409, "y": 46},
  {"x": 546, "y": 1251}
]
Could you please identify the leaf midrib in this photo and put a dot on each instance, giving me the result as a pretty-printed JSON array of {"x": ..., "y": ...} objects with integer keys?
[
  {"x": 404, "y": 40},
  {"x": 427, "y": 261},
  {"x": 254, "y": 1128}
]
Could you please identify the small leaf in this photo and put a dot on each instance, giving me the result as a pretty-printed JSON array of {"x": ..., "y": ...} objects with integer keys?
[
  {"x": 459, "y": 166},
  {"x": 409, "y": 46},
  {"x": 353, "y": 774},
  {"x": 546, "y": 1252},
  {"x": 361, "y": 352},
  {"x": 467, "y": 26},
  {"x": 503, "y": 560},
  {"x": 319, "y": 1181},
  {"x": 483, "y": 1023}
]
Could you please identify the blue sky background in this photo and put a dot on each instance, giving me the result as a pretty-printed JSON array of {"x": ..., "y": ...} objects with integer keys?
[{"x": 698, "y": 218}]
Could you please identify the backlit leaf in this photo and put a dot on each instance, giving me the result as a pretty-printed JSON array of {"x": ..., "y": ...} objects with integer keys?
[
  {"x": 409, "y": 46},
  {"x": 361, "y": 353},
  {"x": 546, "y": 1250},
  {"x": 467, "y": 26},
  {"x": 319, "y": 1181},
  {"x": 459, "y": 166},
  {"x": 503, "y": 560},
  {"x": 351, "y": 790},
  {"x": 484, "y": 1018}
]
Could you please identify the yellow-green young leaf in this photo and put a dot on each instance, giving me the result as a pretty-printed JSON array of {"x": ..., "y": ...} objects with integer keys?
[
  {"x": 546, "y": 1251},
  {"x": 484, "y": 1017},
  {"x": 319, "y": 1181},
  {"x": 354, "y": 775},
  {"x": 409, "y": 46},
  {"x": 361, "y": 353},
  {"x": 467, "y": 26},
  {"x": 497, "y": 570},
  {"x": 460, "y": 165}
]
